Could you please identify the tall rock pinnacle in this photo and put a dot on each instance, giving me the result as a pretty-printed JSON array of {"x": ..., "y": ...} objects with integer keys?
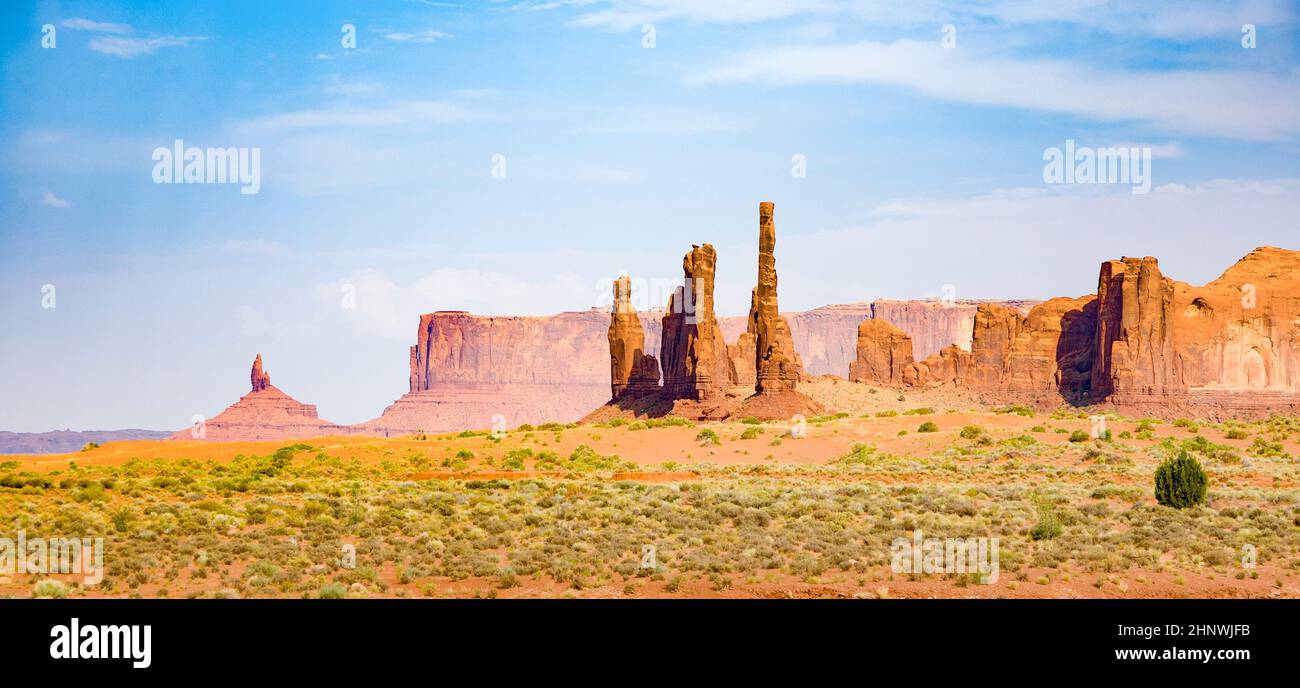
[
  {"x": 632, "y": 372},
  {"x": 776, "y": 364},
  {"x": 261, "y": 379},
  {"x": 694, "y": 354}
]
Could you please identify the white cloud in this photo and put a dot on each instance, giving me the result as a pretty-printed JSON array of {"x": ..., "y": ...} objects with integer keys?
[
  {"x": 48, "y": 198},
  {"x": 129, "y": 47},
  {"x": 1190, "y": 19},
  {"x": 620, "y": 15},
  {"x": 385, "y": 308},
  {"x": 80, "y": 24},
  {"x": 1035, "y": 242},
  {"x": 1243, "y": 105},
  {"x": 428, "y": 36},
  {"x": 394, "y": 114}
]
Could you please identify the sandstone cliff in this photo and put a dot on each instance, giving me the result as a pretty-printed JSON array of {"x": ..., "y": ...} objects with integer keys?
[
  {"x": 884, "y": 353},
  {"x": 632, "y": 371},
  {"x": 1143, "y": 342}
]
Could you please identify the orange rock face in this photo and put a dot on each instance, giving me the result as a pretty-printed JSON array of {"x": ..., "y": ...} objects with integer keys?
[
  {"x": 483, "y": 372},
  {"x": 1230, "y": 345},
  {"x": 1143, "y": 342},
  {"x": 694, "y": 354},
  {"x": 261, "y": 380},
  {"x": 776, "y": 365},
  {"x": 884, "y": 354},
  {"x": 632, "y": 371},
  {"x": 935, "y": 324}
]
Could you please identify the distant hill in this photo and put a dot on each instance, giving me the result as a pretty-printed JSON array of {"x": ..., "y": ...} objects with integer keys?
[{"x": 63, "y": 441}]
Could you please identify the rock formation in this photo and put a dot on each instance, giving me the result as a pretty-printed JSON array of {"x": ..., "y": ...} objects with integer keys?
[
  {"x": 884, "y": 354},
  {"x": 261, "y": 380},
  {"x": 264, "y": 413},
  {"x": 694, "y": 353},
  {"x": 776, "y": 365},
  {"x": 478, "y": 372},
  {"x": 632, "y": 371},
  {"x": 935, "y": 324},
  {"x": 1143, "y": 342}
]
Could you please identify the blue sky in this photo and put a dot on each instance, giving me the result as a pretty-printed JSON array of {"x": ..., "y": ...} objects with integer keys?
[{"x": 924, "y": 169}]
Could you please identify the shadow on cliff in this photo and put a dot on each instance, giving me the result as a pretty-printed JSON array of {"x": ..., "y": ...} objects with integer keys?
[{"x": 1074, "y": 354}]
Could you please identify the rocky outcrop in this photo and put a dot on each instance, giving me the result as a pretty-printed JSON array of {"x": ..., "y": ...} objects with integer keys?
[
  {"x": 1143, "y": 342},
  {"x": 884, "y": 354},
  {"x": 1230, "y": 346},
  {"x": 694, "y": 353},
  {"x": 261, "y": 380},
  {"x": 479, "y": 372},
  {"x": 632, "y": 371},
  {"x": 264, "y": 413},
  {"x": 935, "y": 324},
  {"x": 776, "y": 365}
]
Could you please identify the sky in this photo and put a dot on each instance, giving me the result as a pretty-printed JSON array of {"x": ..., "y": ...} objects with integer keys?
[{"x": 513, "y": 157}]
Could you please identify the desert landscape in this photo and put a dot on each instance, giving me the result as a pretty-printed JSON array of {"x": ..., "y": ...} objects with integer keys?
[{"x": 732, "y": 470}]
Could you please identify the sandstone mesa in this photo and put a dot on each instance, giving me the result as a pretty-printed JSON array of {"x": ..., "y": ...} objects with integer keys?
[{"x": 1142, "y": 343}]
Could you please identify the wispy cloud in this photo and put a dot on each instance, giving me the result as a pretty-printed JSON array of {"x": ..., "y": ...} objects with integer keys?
[
  {"x": 428, "y": 36},
  {"x": 619, "y": 15},
  {"x": 1191, "y": 19},
  {"x": 393, "y": 114},
  {"x": 129, "y": 47},
  {"x": 385, "y": 308},
  {"x": 122, "y": 41},
  {"x": 81, "y": 24},
  {"x": 48, "y": 198},
  {"x": 1233, "y": 104}
]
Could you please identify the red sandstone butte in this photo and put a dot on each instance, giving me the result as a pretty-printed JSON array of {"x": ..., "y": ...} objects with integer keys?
[
  {"x": 1144, "y": 342},
  {"x": 693, "y": 352},
  {"x": 265, "y": 413},
  {"x": 632, "y": 371}
]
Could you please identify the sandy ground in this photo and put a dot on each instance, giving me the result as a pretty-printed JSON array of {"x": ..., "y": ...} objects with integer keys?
[{"x": 676, "y": 454}]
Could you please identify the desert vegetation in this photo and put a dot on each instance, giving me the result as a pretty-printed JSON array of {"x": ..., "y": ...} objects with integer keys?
[{"x": 557, "y": 511}]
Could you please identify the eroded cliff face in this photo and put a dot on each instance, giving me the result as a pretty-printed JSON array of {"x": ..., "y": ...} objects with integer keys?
[
  {"x": 935, "y": 324},
  {"x": 884, "y": 354},
  {"x": 632, "y": 371},
  {"x": 1230, "y": 344},
  {"x": 496, "y": 372},
  {"x": 1143, "y": 342},
  {"x": 693, "y": 351}
]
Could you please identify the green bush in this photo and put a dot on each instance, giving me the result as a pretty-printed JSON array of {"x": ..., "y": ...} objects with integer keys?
[
  {"x": 51, "y": 589},
  {"x": 708, "y": 436},
  {"x": 1078, "y": 436},
  {"x": 1180, "y": 482},
  {"x": 970, "y": 432},
  {"x": 928, "y": 426},
  {"x": 332, "y": 591},
  {"x": 1048, "y": 526}
]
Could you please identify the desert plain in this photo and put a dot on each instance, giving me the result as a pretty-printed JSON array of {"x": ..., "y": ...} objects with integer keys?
[{"x": 677, "y": 508}]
